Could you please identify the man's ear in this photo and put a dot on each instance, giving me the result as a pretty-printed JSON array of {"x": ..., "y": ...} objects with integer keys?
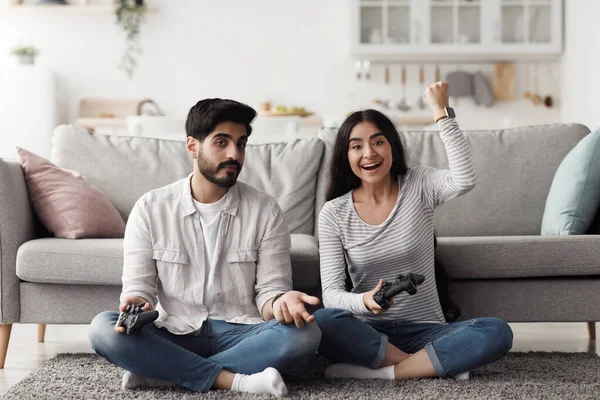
[{"x": 191, "y": 146}]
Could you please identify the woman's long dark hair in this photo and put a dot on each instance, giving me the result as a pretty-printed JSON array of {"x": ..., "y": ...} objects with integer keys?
[{"x": 341, "y": 178}]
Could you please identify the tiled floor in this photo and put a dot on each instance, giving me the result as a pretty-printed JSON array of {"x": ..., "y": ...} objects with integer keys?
[{"x": 25, "y": 354}]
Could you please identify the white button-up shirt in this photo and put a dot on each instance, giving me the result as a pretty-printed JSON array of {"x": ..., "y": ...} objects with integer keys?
[{"x": 164, "y": 260}]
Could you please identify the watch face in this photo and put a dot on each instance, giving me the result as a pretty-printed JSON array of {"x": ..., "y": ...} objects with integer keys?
[{"x": 450, "y": 112}]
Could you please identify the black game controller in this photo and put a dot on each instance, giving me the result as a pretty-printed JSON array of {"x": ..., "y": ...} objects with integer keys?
[
  {"x": 133, "y": 319},
  {"x": 404, "y": 283}
]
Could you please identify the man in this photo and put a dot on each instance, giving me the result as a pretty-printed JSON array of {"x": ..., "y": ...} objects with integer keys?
[{"x": 213, "y": 256}]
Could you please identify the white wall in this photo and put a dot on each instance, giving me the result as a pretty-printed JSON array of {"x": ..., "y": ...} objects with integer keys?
[
  {"x": 294, "y": 52},
  {"x": 286, "y": 51},
  {"x": 581, "y": 63},
  {"x": 28, "y": 111}
]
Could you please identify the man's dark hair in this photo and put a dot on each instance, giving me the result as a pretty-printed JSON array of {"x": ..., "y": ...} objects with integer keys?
[
  {"x": 342, "y": 179},
  {"x": 206, "y": 114}
]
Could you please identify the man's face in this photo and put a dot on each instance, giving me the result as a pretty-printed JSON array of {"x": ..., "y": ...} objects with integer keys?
[{"x": 221, "y": 155}]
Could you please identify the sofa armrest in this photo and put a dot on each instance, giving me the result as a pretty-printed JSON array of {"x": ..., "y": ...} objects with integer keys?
[{"x": 17, "y": 225}]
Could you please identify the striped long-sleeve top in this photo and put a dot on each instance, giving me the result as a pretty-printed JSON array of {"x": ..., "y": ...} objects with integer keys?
[{"x": 403, "y": 243}]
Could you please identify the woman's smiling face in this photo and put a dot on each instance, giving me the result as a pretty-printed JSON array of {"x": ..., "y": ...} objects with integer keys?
[{"x": 369, "y": 153}]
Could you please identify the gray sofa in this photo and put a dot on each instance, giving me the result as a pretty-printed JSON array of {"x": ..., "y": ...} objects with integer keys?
[{"x": 489, "y": 239}]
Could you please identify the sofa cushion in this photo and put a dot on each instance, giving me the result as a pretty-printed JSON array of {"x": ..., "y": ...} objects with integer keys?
[
  {"x": 515, "y": 169},
  {"x": 66, "y": 203},
  {"x": 85, "y": 261},
  {"x": 575, "y": 192},
  {"x": 100, "y": 261},
  {"x": 124, "y": 168},
  {"x": 327, "y": 136},
  {"x": 288, "y": 172},
  {"x": 491, "y": 257}
]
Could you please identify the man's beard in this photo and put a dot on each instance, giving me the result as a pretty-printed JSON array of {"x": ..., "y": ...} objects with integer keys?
[{"x": 210, "y": 172}]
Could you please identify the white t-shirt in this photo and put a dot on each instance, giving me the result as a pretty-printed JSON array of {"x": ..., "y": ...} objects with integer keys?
[{"x": 210, "y": 219}]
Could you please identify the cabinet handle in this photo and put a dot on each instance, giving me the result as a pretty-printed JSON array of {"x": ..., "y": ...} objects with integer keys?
[
  {"x": 497, "y": 33},
  {"x": 417, "y": 32}
]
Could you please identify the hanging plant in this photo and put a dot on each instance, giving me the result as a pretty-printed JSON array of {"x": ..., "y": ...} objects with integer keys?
[{"x": 129, "y": 17}]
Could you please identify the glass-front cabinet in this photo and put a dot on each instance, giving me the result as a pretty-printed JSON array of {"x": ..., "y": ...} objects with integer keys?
[
  {"x": 529, "y": 22},
  {"x": 387, "y": 22},
  {"x": 457, "y": 27},
  {"x": 453, "y": 22}
]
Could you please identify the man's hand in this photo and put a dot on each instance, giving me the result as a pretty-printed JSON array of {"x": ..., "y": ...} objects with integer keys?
[
  {"x": 370, "y": 303},
  {"x": 437, "y": 95},
  {"x": 290, "y": 308},
  {"x": 131, "y": 300}
]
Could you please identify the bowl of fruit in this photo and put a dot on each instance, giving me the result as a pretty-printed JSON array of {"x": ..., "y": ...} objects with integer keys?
[{"x": 281, "y": 111}]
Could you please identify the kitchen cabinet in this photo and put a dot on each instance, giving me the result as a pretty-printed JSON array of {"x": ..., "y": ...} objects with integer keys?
[{"x": 457, "y": 30}]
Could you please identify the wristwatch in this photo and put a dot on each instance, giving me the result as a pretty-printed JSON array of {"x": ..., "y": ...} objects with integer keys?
[
  {"x": 444, "y": 112},
  {"x": 275, "y": 298}
]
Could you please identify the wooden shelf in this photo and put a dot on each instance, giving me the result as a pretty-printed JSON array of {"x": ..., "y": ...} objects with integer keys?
[
  {"x": 284, "y": 114},
  {"x": 399, "y": 119},
  {"x": 60, "y": 9},
  {"x": 96, "y": 122},
  {"x": 415, "y": 120},
  {"x": 459, "y": 4},
  {"x": 64, "y": 9}
]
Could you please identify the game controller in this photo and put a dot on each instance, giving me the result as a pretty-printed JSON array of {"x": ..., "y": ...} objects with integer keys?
[
  {"x": 134, "y": 318},
  {"x": 404, "y": 283}
]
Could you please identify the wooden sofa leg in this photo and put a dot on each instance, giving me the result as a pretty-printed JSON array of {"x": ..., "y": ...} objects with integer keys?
[
  {"x": 592, "y": 330},
  {"x": 4, "y": 338},
  {"x": 41, "y": 332}
]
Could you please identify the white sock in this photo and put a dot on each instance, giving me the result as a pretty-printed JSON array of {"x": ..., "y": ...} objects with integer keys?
[
  {"x": 463, "y": 376},
  {"x": 269, "y": 381},
  {"x": 359, "y": 372},
  {"x": 133, "y": 381}
]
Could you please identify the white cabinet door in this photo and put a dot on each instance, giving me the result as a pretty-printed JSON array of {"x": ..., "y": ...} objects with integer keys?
[
  {"x": 454, "y": 22},
  {"x": 455, "y": 29},
  {"x": 381, "y": 27},
  {"x": 527, "y": 27}
]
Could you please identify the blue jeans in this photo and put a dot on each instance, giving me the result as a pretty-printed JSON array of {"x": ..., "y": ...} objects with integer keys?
[
  {"x": 452, "y": 348},
  {"x": 195, "y": 360}
]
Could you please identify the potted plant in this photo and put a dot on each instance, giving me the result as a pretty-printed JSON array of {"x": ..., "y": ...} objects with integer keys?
[
  {"x": 129, "y": 15},
  {"x": 25, "y": 53}
]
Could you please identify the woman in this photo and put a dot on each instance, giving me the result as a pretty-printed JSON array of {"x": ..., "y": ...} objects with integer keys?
[{"x": 377, "y": 224}]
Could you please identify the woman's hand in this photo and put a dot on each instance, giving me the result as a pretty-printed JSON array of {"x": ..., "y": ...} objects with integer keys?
[
  {"x": 437, "y": 96},
  {"x": 371, "y": 304}
]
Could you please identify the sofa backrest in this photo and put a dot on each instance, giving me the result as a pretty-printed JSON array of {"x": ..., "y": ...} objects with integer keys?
[
  {"x": 124, "y": 168},
  {"x": 514, "y": 167},
  {"x": 288, "y": 172}
]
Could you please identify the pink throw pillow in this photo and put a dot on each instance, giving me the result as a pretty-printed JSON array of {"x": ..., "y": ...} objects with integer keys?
[{"x": 66, "y": 204}]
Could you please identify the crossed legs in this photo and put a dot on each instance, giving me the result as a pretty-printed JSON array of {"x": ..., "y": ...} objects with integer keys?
[
  {"x": 208, "y": 358},
  {"x": 415, "y": 350}
]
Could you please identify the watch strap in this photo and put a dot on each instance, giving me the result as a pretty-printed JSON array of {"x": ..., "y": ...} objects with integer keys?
[
  {"x": 439, "y": 114},
  {"x": 276, "y": 297}
]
